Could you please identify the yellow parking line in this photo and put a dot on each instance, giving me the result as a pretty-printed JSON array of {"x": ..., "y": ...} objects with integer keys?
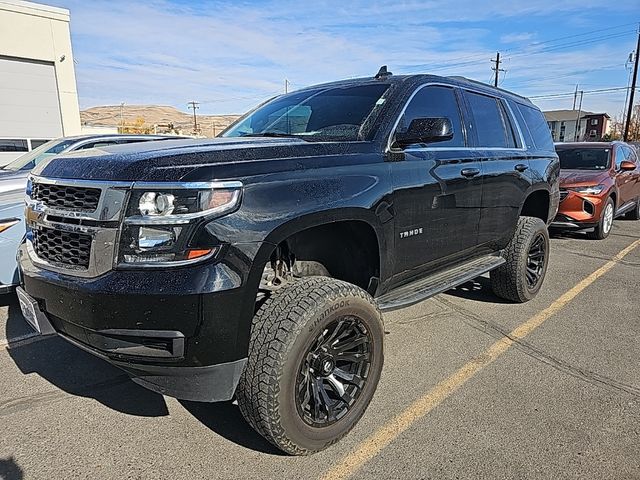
[{"x": 372, "y": 445}]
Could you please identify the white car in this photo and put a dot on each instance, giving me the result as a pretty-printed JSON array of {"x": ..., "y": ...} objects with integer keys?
[{"x": 14, "y": 175}]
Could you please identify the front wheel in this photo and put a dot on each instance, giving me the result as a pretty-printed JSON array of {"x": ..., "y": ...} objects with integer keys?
[
  {"x": 315, "y": 359},
  {"x": 519, "y": 279},
  {"x": 602, "y": 230}
]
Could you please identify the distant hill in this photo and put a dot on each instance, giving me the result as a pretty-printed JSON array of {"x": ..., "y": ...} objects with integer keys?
[{"x": 144, "y": 117}]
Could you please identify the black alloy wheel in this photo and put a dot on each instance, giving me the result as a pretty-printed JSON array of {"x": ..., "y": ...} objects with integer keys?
[
  {"x": 333, "y": 372},
  {"x": 536, "y": 259}
]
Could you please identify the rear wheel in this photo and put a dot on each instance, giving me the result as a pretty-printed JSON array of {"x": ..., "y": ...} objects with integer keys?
[
  {"x": 315, "y": 359},
  {"x": 603, "y": 229},
  {"x": 519, "y": 279}
]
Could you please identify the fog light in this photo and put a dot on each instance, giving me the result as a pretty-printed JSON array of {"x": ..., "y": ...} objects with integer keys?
[
  {"x": 150, "y": 258},
  {"x": 155, "y": 237}
]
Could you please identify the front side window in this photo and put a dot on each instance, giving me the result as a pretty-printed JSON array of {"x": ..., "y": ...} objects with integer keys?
[
  {"x": 624, "y": 153},
  {"x": 585, "y": 158},
  {"x": 434, "y": 102},
  {"x": 488, "y": 121},
  {"x": 320, "y": 114}
]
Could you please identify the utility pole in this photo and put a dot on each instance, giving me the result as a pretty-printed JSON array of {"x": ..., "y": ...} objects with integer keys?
[
  {"x": 576, "y": 136},
  {"x": 194, "y": 105},
  {"x": 497, "y": 68},
  {"x": 575, "y": 97},
  {"x": 286, "y": 86},
  {"x": 121, "y": 117},
  {"x": 625, "y": 136}
]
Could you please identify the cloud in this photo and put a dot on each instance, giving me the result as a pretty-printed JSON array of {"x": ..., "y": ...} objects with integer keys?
[
  {"x": 231, "y": 55},
  {"x": 517, "y": 37}
]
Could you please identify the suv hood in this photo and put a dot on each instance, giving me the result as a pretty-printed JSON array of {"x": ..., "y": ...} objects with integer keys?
[
  {"x": 171, "y": 160},
  {"x": 570, "y": 178}
]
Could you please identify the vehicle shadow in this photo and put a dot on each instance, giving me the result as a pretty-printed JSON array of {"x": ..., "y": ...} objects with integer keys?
[
  {"x": 568, "y": 234},
  {"x": 15, "y": 327},
  {"x": 479, "y": 289},
  {"x": 225, "y": 419},
  {"x": 76, "y": 372},
  {"x": 10, "y": 470}
]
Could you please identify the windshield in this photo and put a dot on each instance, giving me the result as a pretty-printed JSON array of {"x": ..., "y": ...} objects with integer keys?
[
  {"x": 584, "y": 158},
  {"x": 29, "y": 160},
  {"x": 335, "y": 113}
]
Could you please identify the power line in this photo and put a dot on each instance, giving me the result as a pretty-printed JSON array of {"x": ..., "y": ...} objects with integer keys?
[
  {"x": 520, "y": 51},
  {"x": 571, "y": 94}
]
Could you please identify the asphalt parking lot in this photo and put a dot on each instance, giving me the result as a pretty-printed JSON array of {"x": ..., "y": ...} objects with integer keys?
[{"x": 472, "y": 388}]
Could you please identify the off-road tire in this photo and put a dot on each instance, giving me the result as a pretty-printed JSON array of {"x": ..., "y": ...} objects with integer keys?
[
  {"x": 599, "y": 232},
  {"x": 283, "y": 329},
  {"x": 509, "y": 280},
  {"x": 634, "y": 214}
]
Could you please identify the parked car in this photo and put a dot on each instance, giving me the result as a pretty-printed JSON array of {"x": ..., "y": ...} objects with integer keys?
[
  {"x": 11, "y": 232},
  {"x": 13, "y": 180},
  {"x": 14, "y": 175},
  {"x": 257, "y": 264},
  {"x": 599, "y": 181},
  {"x": 11, "y": 148}
]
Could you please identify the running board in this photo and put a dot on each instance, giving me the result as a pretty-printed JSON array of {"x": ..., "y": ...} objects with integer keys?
[{"x": 438, "y": 282}]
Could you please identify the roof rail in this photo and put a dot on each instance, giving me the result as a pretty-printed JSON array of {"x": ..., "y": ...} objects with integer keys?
[{"x": 476, "y": 82}]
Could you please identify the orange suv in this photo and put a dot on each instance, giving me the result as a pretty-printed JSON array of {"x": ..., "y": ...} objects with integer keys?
[{"x": 598, "y": 182}]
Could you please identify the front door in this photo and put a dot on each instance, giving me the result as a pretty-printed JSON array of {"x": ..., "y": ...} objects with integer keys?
[
  {"x": 627, "y": 181},
  {"x": 437, "y": 189}
]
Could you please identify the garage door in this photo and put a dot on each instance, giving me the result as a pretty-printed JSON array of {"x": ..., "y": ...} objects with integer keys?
[{"x": 29, "y": 105}]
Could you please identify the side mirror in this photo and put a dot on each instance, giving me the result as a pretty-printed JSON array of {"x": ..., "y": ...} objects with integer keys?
[
  {"x": 626, "y": 165},
  {"x": 425, "y": 130}
]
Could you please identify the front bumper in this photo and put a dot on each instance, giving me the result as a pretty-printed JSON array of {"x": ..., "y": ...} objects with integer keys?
[
  {"x": 182, "y": 332},
  {"x": 579, "y": 211}
]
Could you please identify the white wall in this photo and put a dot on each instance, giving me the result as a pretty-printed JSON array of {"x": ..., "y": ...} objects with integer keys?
[{"x": 31, "y": 31}]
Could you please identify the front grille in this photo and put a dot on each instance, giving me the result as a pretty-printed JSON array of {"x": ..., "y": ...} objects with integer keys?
[
  {"x": 65, "y": 197},
  {"x": 66, "y": 248},
  {"x": 563, "y": 194}
]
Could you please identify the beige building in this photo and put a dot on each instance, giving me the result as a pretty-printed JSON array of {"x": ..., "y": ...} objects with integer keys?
[
  {"x": 592, "y": 127},
  {"x": 38, "y": 95}
]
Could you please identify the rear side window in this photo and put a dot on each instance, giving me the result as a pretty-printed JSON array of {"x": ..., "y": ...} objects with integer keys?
[
  {"x": 435, "y": 101},
  {"x": 13, "y": 145},
  {"x": 538, "y": 127},
  {"x": 489, "y": 122}
]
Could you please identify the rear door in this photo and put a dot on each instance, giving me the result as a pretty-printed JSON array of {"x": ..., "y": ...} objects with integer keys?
[
  {"x": 500, "y": 149},
  {"x": 437, "y": 188}
]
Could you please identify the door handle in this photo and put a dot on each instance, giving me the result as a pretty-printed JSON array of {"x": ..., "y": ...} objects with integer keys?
[
  {"x": 469, "y": 172},
  {"x": 521, "y": 167}
]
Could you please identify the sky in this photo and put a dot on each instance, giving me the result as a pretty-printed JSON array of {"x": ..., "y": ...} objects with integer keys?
[{"x": 231, "y": 55}]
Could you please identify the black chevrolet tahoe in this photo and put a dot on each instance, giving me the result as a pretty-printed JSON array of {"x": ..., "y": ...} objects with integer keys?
[{"x": 256, "y": 266}]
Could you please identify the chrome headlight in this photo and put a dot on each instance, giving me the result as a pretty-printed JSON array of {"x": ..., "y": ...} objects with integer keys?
[
  {"x": 588, "y": 190},
  {"x": 160, "y": 220}
]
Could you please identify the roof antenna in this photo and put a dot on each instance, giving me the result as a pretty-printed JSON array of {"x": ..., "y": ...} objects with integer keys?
[{"x": 383, "y": 73}]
